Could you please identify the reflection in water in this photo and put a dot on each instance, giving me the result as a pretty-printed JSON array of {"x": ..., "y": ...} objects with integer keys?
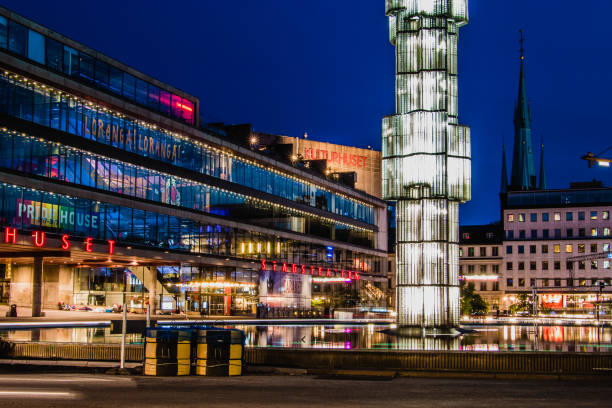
[{"x": 484, "y": 338}]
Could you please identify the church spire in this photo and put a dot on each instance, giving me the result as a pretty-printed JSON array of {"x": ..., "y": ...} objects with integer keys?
[
  {"x": 523, "y": 169},
  {"x": 542, "y": 185},
  {"x": 503, "y": 189}
]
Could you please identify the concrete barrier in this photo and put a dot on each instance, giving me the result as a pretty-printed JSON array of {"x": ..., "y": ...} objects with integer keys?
[{"x": 423, "y": 361}]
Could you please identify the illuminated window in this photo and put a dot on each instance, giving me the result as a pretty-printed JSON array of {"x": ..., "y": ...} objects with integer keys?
[
  {"x": 606, "y": 264},
  {"x": 594, "y": 264},
  {"x": 557, "y": 248},
  {"x": 545, "y": 217},
  {"x": 606, "y": 232},
  {"x": 521, "y": 282},
  {"x": 605, "y": 215},
  {"x": 580, "y": 248},
  {"x": 471, "y": 251},
  {"x": 534, "y": 217},
  {"x": 569, "y": 216},
  {"x": 593, "y": 215},
  {"x": 593, "y": 232},
  {"x": 581, "y": 215},
  {"x": 521, "y": 217},
  {"x": 466, "y": 235},
  {"x": 569, "y": 248},
  {"x": 605, "y": 248},
  {"x": 460, "y": 252},
  {"x": 510, "y": 217},
  {"x": 557, "y": 216}
]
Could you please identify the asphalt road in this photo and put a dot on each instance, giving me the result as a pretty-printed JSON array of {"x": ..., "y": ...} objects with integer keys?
[{"x": 84, "y": 390}]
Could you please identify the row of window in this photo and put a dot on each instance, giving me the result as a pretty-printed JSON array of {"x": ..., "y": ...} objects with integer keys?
[
  {"x": 28, "y": 209},
  {"x": 569, "y": 216},
  {"x": 557, "y": 233},
  {"x": 482, "y": 269},
  {"x": 52, "y": 160},
  {"x": 85, "y": 68},
  {"x": 569, "y": 265},
  {"x": 482, "y": 251},
  {"x": 556, "y": 248},
  {"x": 558, "y": 282},
  {"x": 49, "y": 107}
]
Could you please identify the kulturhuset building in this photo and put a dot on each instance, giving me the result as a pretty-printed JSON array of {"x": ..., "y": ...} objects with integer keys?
[{"x": 109, "y": 183}]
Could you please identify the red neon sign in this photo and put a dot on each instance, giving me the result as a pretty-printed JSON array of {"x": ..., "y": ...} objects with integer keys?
[
  {"x": 314, "y": 270},
  {"x": 111, "y": 246},
  {"x": 65, "y": 242},
  {"x": 184, "y": 107},
  {"x": 39, "y": 238},
  {"x": 89, "y": 244},
  {"x": 10, "y": 235}
]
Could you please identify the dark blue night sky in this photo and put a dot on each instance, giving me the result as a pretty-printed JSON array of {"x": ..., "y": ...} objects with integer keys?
[{"x": 326, "y": 67}]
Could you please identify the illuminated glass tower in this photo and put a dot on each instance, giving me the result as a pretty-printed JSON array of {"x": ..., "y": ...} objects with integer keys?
[{"x": 426, "y": 159}]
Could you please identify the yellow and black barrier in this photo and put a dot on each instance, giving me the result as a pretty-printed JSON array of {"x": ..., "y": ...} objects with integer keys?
[
  {"x": 168, "y": 352},
  {"x": 219, "y": 352}
]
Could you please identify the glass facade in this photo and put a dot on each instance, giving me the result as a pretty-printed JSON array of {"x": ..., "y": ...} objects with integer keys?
[
  {"x": 34, "y": 102},
  {"x": 82, "y": 67}
]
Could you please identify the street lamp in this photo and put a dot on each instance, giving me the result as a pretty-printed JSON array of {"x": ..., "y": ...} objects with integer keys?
[{"x": 602, "y": 285}]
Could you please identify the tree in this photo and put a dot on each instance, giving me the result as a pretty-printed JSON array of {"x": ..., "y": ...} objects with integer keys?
[
  {"x": 471, "y": 302},
  {"x": 523, "y": 304}
]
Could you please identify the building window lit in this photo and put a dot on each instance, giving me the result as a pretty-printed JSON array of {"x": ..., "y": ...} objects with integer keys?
[
  {"x": 606, "y": 264},
  {"x": 569, "y": 248},
  {"x": 471, "y": 251},
  {"x": 605, "y": 215},
  {"x": 521, "y": 217},
  {"x": 605, "y": 248},
  {"x": 545, "y": 217},
  {"x": 580, "y": 248},
  {"x": 606, "y": 232},
  {"x": 593, "y": 215},
  {"x": 557, "y": 216},
  {"x": 460, "y": 253},
  {"x": 521, "y": 282},
  {"x": 557, "y": 248},
  {"x": 593, "y": 232},
  {"x": 594, "y": 264},
  {"x": 544, "y": 282},
  {"x": 510, "y": 217},
  {"x": 466, "y": 235}
]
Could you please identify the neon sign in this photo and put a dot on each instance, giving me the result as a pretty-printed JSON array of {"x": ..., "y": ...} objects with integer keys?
[
  {"x": 310, "y": 270},
  {"x": 39, "y": 239}
]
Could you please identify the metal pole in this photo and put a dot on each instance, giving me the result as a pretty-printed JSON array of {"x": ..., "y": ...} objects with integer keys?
[
  {"x": 148, "y": 314},
  {"x": 123, "y": 328}
]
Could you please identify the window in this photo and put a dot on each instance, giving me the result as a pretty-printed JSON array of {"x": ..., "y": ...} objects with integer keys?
[
  {"x": 605, "y": 248},
  {"x": 508, "y": 266},
  {"x": 471, "y": 251},
  {"x": 510, "y": 217},
  {"x": 471, "y": 268},
  {"x": 557, "y": 265},
  {"x": 570, "y": 232},
  {"x": 101, "y": 74},
  {"x": 495, "y": 285},
  {"x": 545, "y": 233},
  {"x": 18, "y": 38},
  {"x": 509, "y": 282},
  {"x": 509, "y": 249},
  {"x": 593, "y": 215},
  {"x": 569, "y": 265},
  {"x": 593, "y": 232},
  {"x": 594, "y": 264},
  {"x": 460, "y": 253},
  {"x": 521, "y": 234},
  {"x": 521, "y": 282},
  {"x": 483, "y": 269},
  {"x": 534, "y": 234},
  {"x": 534, "y": 217},
  {"x": 606, "y": 232},
  {"x": 521, "y": 217},
  {"x": 580, "y": 248},
  {"x": 582, "y": 282},
  {"x": 557, "y": 282},
  {"x": 544, "y": 282},
  {"x": 581, "y": 264},
  {"x": 521, "y": 249},
  {"x": 544, "y": 249},
  {"x": 86, "y": 67},
  {"x": 483, "y": 286},
  {"x": 3, "y": 32},
  {"x": 495, "y": 251},
  {"x": 581, "y": 232},
  {"x": 521, "y": 266},
  {"x": 532, "y": 249},
  {"x": 606, "y": 264},
  {"x": 510, "y": 234},
  {"x": 545, "y": 217},
  {"x": 129, "y": 86},
  {"x": 54, "y": 57},
  {"x": 36, "y": 47},
  {"x": 569, "y": 248},
  {"x": 557, "y": 249},
  {"x": 605, "y": 215},
  {"x": 570, "y": 282},
  {"x": 557, "y": 232},
  {"x": 557, "y": 216},
  {"x": 533, "y": 266},
  {"x": 569, "y": 216},
  {"x": 532, "y": 282},
  {"x": 71, "y": 61},
  {"x": 593, "y": 247},
  {"x": 581, "y": 215},
  {"x": 544, "y": 265},
  {"x": 495, "y": 268},
  {"x": 483, "y": 251}
]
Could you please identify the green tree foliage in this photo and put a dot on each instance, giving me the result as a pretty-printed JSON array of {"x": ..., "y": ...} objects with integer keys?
[
  {"x": 471, "y": 302},
  {"x": 523, "y": 304}
]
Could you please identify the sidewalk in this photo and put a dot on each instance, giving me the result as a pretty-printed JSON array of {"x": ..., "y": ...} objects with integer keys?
[{"x": 24, "y": 314}]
